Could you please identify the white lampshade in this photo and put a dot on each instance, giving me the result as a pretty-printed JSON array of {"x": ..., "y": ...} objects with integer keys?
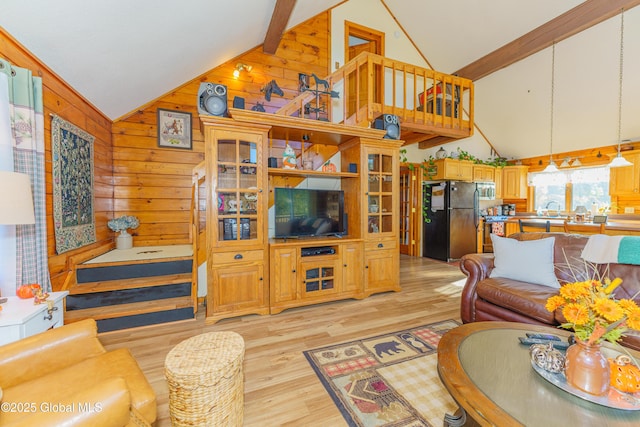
[
  {"x": 16, "y": 199},
  {"x": 619, "y": 162},
  {"x": 551, "y": 167}
]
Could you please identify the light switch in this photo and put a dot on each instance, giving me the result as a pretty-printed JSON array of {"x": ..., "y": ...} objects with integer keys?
[{"x": 629, "y": 210}]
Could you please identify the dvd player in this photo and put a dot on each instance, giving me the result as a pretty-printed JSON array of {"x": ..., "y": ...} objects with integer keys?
[{"x": 318, "y": 250}]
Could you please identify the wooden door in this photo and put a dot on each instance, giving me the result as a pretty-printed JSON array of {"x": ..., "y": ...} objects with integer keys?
[
  {"x": 410, "y": 211},
  {"x": 360, "y": 39}
]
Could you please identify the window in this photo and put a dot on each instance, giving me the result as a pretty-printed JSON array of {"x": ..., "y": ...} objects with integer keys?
[{"x": 565, "y": 190}]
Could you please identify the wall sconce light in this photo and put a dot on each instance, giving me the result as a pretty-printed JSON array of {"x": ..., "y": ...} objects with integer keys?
[
  {"x": 241, "y": 67},
  {"x": 15, "y": 193},
  {"x": 567, "y": 162}
]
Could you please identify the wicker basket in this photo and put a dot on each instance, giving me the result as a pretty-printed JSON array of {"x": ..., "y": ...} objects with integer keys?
[{"x": 206, "y": 381}]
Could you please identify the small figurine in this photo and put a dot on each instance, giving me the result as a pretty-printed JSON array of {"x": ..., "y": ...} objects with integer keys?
[{"x": 289, "y": 158}]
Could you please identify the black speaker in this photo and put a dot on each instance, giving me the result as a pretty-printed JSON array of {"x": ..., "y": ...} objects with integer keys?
[
  {"x": 238, "y": 102},
  {"x": 390, "y": 123},
  {"x": 212, "y": 99}
]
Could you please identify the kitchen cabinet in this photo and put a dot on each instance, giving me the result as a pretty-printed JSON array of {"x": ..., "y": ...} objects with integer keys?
[
  {"x": 484, "y": 173},
  {"x": 514, "y": 182},
  {"x": 626, "y": 180},
  {"x": 452, "y": 169}
]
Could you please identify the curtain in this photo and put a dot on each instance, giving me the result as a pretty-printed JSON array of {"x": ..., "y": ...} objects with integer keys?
[{"x": 27, "y": 150}]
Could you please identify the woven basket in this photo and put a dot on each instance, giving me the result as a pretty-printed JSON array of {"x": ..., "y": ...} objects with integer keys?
[{"x": 206, "y": 381}]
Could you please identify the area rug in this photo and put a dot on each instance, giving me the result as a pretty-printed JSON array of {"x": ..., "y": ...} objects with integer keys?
[{"x": 387, "y": 380}]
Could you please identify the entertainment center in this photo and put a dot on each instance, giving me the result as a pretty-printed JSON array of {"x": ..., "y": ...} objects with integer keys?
[{"x": 330, "y": 244}]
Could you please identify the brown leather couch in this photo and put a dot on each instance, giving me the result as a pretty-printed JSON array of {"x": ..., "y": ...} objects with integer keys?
[
  {"x": 485, "y": 298},
  {"x": 64, "y": 376}
]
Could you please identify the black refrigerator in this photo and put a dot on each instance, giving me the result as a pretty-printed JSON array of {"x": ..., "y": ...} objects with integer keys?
[{"x": 452, "y": 209}]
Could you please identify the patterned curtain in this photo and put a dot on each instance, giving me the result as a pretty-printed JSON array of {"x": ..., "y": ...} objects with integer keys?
[{"x": 27, "y": 146}]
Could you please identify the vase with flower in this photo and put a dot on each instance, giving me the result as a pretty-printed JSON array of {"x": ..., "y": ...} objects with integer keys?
[
  {"x": 121, "y": 225},
  {"x": 592, "y": 312}
]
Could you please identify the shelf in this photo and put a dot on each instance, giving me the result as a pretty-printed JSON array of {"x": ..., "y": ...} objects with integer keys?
[{"x": 307, "y": 173}]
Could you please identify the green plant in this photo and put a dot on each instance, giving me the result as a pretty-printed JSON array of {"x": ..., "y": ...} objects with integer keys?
[{"x": 464, "y": 155}]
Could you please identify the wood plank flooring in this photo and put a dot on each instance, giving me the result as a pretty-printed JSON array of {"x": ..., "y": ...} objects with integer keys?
[{"x": 281, "y": 389}]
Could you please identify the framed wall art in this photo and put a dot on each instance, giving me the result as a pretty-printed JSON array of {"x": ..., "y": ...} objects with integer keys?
[{"x": 174, "y": 129}]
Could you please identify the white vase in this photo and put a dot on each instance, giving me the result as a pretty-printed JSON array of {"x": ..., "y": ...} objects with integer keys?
[{"x": 124, "y": 240}]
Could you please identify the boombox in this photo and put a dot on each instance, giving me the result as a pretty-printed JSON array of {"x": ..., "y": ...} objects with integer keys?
[
  {"x": 390, "y": 123},
  {"x": 212, "y": 99}
]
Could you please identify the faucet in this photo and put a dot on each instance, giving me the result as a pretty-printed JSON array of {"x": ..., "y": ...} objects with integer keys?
[{"x": 552, "y": 201}]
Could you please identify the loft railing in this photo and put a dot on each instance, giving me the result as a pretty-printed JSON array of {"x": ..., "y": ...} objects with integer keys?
[{"x": 370, "y": 85}]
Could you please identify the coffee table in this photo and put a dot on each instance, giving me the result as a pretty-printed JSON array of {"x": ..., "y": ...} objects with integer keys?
[{"x": 489, "y": 374}]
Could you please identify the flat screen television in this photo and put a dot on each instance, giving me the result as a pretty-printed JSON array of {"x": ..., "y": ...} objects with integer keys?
[{"x": 303, "y": 212}]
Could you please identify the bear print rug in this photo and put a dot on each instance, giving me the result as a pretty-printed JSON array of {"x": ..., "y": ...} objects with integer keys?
[{"x": 387, "y": 380}]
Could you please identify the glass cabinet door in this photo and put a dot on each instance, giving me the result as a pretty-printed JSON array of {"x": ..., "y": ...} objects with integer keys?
[
  {"x": 379, "y": 192},
  {"x": 237, "y": 189}
]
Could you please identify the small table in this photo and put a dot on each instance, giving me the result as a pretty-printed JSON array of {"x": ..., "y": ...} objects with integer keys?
[
  {"x": 489, "y": 374},
  {"x": 21, "y": 318}
]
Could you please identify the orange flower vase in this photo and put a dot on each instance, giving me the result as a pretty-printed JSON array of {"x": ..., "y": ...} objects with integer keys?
[{"x": 587, "y": 369}]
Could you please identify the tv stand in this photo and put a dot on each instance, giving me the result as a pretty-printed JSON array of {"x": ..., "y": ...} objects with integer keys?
[
  {"x": 249, "y": 273},
  {"x": 310, "y": 272}
]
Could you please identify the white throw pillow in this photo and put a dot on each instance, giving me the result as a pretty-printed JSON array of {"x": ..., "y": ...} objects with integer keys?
[{"x": 527, "y": 261}]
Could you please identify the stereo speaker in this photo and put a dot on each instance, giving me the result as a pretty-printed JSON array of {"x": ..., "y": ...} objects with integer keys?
[
  {"x": 212, "y": 99},
  {"x": 238, "y": 102},
  {"x": 390, "y": 123}
]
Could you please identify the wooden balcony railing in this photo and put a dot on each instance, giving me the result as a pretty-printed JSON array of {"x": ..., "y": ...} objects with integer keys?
[{"x": 370, "y": 85}]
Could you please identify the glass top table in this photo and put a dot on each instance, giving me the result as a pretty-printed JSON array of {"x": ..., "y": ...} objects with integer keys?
[{"x": 489, "y": 374}]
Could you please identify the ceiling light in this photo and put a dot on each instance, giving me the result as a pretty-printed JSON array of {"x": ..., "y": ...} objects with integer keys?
[
  {"x": 552, "y": 165},
  {"x": 576, "y": 163},
  {"x": 241, "y": 67},
  {"x": 565, "y": 162},
  {"x": 620, "y": 161}
]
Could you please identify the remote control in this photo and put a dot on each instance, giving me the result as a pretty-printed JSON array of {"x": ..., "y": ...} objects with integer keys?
[
  {"x": 543, "y": 336},
  {"x": 560, "y": 345}
]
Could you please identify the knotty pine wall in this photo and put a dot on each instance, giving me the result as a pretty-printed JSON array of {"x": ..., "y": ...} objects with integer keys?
[
  {"x": 61, "y": 99},
  {"x": 154, "y": 183}
]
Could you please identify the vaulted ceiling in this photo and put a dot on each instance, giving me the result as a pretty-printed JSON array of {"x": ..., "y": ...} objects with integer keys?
[{"x": 121, "y": 54}]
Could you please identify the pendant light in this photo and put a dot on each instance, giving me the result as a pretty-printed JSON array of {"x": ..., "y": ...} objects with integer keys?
[
  {"x": 620, "y": 161},
  {"x": 551, "y": 167}
]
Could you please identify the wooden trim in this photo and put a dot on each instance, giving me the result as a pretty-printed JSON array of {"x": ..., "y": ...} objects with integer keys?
[{"x": 578, "y": 19}]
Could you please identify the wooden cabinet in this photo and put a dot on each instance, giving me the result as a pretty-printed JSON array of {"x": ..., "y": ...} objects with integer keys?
[
  {"x": 248, "y": 273},
  {"x": 381, "y": 266},
  {"x": 236, "y": 219},
  {"x": 484, "y": 173},
  {"x": 514, "y": 182},
  {"x": 453, "y": 169},
  {"x": 314, "y": 271},
  {"x": 497, "y": 178},
  {"x": 625, "y": 181}
]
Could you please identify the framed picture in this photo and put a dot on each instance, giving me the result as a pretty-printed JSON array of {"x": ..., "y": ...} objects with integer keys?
[{"x": 174, "y": 129}]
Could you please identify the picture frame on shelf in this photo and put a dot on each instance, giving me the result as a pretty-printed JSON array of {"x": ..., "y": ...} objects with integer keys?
[{"x": 174, "y": 129}]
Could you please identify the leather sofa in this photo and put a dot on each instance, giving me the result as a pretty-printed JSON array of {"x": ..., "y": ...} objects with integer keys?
[
  {"x": 485, "y": 298},
  {"x": 64, "y": 376}
]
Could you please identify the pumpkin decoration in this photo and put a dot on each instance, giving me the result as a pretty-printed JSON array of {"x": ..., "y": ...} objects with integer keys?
[
  {"x": 27, "y": 291},
  {"x": 547, "y": 357},
  {"x": 625, "y": 376}
]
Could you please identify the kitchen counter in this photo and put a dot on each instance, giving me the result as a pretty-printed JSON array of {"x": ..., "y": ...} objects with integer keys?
[{"x": 614, "y": 225}]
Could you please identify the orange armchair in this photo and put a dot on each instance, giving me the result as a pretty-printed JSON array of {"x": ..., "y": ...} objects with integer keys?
[{"x": 64, "y": 376}]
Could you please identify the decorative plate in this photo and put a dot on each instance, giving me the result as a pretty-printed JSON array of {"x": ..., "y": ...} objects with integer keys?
[{"x": 614, "y": 399}]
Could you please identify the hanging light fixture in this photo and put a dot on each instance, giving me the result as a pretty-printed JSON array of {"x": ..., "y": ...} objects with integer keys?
[
  {"x": 620, "y": 161},
  {"x": 551, "y": 167}
]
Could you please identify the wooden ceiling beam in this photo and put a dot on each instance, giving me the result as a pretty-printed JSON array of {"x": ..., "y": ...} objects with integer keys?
[
  {"x": 281, "y": 14},
  {"x": 581, "y": 17}
]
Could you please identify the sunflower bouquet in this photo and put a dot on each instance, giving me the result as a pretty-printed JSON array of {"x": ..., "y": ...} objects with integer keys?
[{"x": 591, "y": 310}]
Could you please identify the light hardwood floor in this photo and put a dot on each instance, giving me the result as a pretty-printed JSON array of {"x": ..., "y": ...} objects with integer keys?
[{"x": 281, "y": 389}]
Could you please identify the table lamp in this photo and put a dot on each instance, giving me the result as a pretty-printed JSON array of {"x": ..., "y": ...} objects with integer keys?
[{"x": 17, "y": 201}]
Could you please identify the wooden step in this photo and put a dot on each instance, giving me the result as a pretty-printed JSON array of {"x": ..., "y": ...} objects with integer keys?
[
  {"x": 135, "y": 269},
  {"x": 138, "y": 282},
  {"x": 122, "y": 310}
]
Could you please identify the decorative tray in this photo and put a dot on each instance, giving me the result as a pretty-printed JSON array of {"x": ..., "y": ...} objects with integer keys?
[{"x": 614, "y": 399}]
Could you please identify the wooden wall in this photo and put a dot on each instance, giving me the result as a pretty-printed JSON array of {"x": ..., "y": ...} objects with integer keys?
[
  {"x": 154, "y": 183},
  {"x": 61, "y": 99}
]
